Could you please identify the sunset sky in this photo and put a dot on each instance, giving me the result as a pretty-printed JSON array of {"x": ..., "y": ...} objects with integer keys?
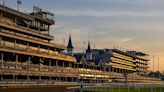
[{"x": 131, "y": 24}]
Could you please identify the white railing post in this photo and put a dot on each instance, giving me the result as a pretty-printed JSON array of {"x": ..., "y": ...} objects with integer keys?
[
  {"x": 1, "y": 77},
  {"x": 2, "y": 60},
  {"x": 16, "y": 61},
  {"x": 27, "y": 46},
  {"x": 50, "y": 65},
  {"x": 1, "y": 16},
  {"x": 63, "y": 66},
  {"x": 29, "y": 61},
  {"x": 39, "y": 48},
  {"x": 1, "y": 40},
  {"x": 40, "y": 68},
  {"x": 15, "y": 42}
]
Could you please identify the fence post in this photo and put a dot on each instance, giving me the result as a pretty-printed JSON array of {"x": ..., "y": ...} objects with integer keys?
[
  {"x": 151, "y": 88},
  {"x": 138, "y": 88},
  {"x": 119, "y": 88}
]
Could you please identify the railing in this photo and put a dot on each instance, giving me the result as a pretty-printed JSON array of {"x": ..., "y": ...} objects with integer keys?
[
  {"x": 122, "y": 87},
  {"x": 27, "y": 68},
  {"x": 142, "y": 62},
  {"x": 18, "y": 83},
  {"x": 56, "y": 69},
  {"x": 142, "y": 66},
  {"x": 123, "y": 56},
  {"x": 25, "y": 29},
  {"x": 143, "y": 57},
  {"x": 122, "y": 62},
  {"x": 30, "y": 49},
  {"x": 27, "y": 38},
  {"x": 15, "y": 12},
  {"x": 122, "y": 66}
]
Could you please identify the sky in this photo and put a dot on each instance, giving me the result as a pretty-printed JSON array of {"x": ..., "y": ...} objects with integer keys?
[{"x": 130, "y": 24}]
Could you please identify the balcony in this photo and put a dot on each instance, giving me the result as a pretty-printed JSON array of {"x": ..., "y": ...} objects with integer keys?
[
  {"x": 21, "y": 68},
  {"x": 142, "y": 62},
  {"x": 29, "y": 39},
  {"x": 28, "y": 69},
  {"x": 15, "y": 13},
  {"x": 123, "y": 57},
  {"x": 124, "y": 62},
  {"x": 142, "y": 66},
  {"x": 44, "y": 70},
  {"x": 14, "y": 26},
  {"x": 122, "y": 67},
  {"x": 28, "y": 50},
  {"x": 143, "y": 58}
]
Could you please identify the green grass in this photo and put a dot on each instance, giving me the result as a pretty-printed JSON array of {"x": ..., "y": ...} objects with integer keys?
[{"x": 124, "y": 89}]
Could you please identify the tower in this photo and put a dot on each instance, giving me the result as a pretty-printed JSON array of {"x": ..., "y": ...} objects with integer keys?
[
  {"x": 88, "y": 53},
  {"x": 70, "y": 47}
]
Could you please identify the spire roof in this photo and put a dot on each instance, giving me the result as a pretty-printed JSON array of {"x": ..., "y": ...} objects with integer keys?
[
  {"x": 70, "y": 42},
  {"x": 89, "y": 47}
]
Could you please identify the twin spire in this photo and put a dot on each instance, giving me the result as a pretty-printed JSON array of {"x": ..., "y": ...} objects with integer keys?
[
  {"x": 88, "y": 50},
  {"x": 70, "y": 43},
  {"x": 70, "y": 48},
  {"x": 88, "y": 54}
]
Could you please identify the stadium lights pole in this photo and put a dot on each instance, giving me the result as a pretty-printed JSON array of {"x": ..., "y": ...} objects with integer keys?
[
  {"x": 153, "y": 71},
  {"x": 153, "y": 65},
  {"x": 158, "y": 68},
  {"x": 158, "y": 63}
]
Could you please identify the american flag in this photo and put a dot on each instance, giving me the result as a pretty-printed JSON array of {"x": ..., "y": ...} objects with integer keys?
[{"x": 19, "y": 2}]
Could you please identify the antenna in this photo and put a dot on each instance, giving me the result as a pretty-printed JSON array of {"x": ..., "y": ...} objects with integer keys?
[
  {"x": 158, "y": 63},
  {"x": 89, "y": 38},
  {"x": 63, "y": 41},
  {"x": 94, "y": 46},
  {"x": 114, "y": 45},
  {"x": 83, "y": 46},
  {"x": 69, "y": 31},
  {"x": 153, "y": 62}
]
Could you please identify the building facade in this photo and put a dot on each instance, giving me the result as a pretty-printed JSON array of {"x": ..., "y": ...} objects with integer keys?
[
  {"x": 123, "y": 61},
  {"x": 25, "y": 48},
  {"x": 27, "y": 55}
]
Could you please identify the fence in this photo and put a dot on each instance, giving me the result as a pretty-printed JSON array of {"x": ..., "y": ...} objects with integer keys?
[{"x": 120, "y": 87}]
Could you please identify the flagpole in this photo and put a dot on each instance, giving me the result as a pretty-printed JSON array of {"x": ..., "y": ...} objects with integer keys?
[
  {"x": 3, "y": 2},
  {"x": 17, "y": 6},
  {"x": 18, "y": 3}
]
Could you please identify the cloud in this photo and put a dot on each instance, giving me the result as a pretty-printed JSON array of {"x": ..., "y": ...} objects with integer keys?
[
  {"x": 79, "y": 36},
  {"x": 93, "y": 13},
  {"x": 132, "y": 27},
  {"x": 138, "y": 2}
]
